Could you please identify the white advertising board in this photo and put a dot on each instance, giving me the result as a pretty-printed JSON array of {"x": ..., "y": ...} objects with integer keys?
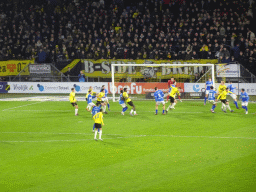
[
  {"x": 53, "y": 87},
  {"x": 231, "y": 70},
  {"x": 250, "y": 88}
]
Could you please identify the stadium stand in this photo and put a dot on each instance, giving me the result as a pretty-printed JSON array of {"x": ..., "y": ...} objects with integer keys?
[{"x": 51, "y": 31}]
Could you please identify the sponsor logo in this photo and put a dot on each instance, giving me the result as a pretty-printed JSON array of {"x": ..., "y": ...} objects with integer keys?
[
  {"x": 77, "y": 88},
  {"x": 18, "y": 87},
  {"x": 1, "y": 86},
  {"x": 196, "y": 87},
  {"x": 148, "y": 72},
  {"x": 40, "y": 87},
  {"x": 31, "y": 87}
]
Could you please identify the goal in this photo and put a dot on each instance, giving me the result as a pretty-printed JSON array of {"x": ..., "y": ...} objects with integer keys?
[{"x": 141, "y": 79}]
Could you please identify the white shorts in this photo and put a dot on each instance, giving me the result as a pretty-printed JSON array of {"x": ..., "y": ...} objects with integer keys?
[
  {"x": 245, "y": 103},
  {"x": 233, "y": 96},
  {"x": 212, "y": 102},
  {"x": 105, "y": 99},
  {"x": 123, "y": 105},
  {"x": 90, "y": 105},
  {"x": 160, "y": 102},
  {"x": 207, "y": 92}
]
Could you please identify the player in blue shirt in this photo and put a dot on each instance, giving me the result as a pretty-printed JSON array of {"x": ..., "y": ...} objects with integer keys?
[
  {"x": 233, "y": 95},
  {"x": 211, "y": 98},
  {"x": 105, "y": 99},
  {"x": 90, "y": 104},
  {"x": 159, "y": 98},
  {"x": 122, "y": 102},
  {"x": 208, "y": 85},
  {"x": 245, "y": 98}
]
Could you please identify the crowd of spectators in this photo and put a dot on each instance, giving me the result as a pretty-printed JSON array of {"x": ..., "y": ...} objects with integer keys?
[{"x": 80, "y": 29}]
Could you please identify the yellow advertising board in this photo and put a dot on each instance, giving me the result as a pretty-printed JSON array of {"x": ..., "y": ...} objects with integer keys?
[
  {"x": 14, "y": 67},
  {"x": 102, "y": 68}
]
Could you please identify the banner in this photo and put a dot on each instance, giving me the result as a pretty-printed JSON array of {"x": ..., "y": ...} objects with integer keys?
[
  {"x": 51, "y": 87},
  {"x": 3, "y": 87},
  {"x": 142, "y": 88},
  {"x": 102, "y": 68},
  {"x": 40, "y": 68},
  {"x": 13, "y": 67},
  {"x": 230, "y": 70}
]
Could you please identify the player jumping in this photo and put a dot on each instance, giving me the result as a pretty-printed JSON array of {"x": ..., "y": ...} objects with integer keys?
[
  {"x": 101, "y": 95},
  {"x": 73, "y": 100},
  {"x": 105, "y": 99},
  {"x": 90, "y": 104},
  {"x": 159, "y": 98}
]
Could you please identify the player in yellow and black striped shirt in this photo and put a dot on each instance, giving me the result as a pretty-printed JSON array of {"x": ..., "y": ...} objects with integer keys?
[
  {"x": 98, "y": 120},
  {"x": 223, "y": 98},
  {"x": 73, "y": 100},
  {"x": 173, "y": 101},
  {"x": 129, "y": 102}
]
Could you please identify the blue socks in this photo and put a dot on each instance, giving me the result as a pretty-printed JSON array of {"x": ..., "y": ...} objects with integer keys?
[
  {"x": 163, "y": 111},
  {"x": 205, "y": 98},
  {"x": 93, "y": 126},
  {"x": 213, "y": 107},
  {"x": 245, "y": 107},
  {"x": 156, "y": 111},
  {"x": 235, "y": 102},
  {"x": 108, "y": 106},
  {"x": 124, "y": 109}
]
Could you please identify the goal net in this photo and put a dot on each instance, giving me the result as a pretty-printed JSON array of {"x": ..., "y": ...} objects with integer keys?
[{"x": 141, "y": 79}]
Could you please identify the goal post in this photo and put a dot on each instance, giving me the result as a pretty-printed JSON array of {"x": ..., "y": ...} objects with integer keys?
[{"x": 158, "y": 73}]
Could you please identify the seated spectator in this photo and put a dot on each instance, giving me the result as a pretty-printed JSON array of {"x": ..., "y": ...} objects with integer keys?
[
  {"x": 226, "y": 60},
  {"x": 194, "y": 55}
]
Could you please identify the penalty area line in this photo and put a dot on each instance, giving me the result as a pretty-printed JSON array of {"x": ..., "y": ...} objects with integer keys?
[{"x": 21, "y": 106}]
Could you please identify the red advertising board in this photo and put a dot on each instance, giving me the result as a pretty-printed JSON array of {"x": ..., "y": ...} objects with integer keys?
[{"x": 142, "y": 88}]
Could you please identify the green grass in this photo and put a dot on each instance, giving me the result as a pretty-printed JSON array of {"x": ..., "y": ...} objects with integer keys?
[{"x": 45, "y": 147}]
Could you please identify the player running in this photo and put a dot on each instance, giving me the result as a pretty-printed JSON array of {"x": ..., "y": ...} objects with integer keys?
[
  {"x": 100, "y": 96},
  {"x": 90, "y": 104},
  {"x": 245, "y": 98},
  {"x": 234, "y": 97},
  {"x": 105, "y": 99},
  {"x": 223, "y": 98},
  {"x": 172, "y": 98},
  {"x": 98, "y": 119},
  {"x": 222, "y": 87},
  {"x": 122, "y": 102},
  {"x": 159, "y": 98},
  {"x": 73, "y": 100},
  {"x": 129, "y": 101},
  {"x": 211, "y": 98},
  {"x": 208, "y": 85}
]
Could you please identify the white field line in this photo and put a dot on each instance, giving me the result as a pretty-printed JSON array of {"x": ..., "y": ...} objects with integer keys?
[
  {"x": 125, "y": 137},
  {"x": 72, "y": 110},
  {"x": 21, "y": 106}
]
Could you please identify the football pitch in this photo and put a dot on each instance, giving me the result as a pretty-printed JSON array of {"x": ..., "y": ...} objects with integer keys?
[{"x": 45, "y": 147}]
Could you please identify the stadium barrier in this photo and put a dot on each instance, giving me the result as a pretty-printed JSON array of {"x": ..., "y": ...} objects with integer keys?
[{"x": 133, "y": 87}]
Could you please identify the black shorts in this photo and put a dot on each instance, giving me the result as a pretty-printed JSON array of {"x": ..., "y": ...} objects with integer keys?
[
  {"x": 97, "y": 125},
  {"x": 171, "y": 99},
  {"x": 131, "y": 104},
  {"x": 224, "y": 101},
  {"x": 99, "y": 102},
  {"x": 73, "y": 104}
]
